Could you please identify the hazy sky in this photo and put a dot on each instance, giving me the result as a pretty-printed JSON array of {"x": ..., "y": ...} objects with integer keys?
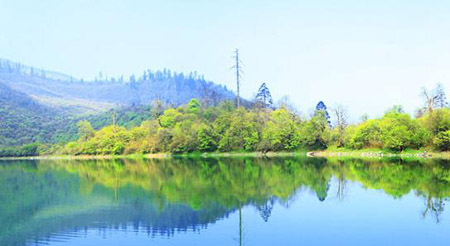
[{"x": 366, "y": 55}]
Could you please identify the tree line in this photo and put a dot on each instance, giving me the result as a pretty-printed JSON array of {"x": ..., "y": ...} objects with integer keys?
[
  {"x": 225, "y": 128},
  {"x": 263, "y": 127}
]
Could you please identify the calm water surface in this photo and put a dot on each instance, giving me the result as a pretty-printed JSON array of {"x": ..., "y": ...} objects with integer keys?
[{"x": 234, "y": 201}]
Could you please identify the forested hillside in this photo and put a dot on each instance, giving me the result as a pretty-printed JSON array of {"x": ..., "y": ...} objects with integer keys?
[
  {"x": 23, "y": 120},
  {"x": 44, "y": 106},
  {"x": 79, "y": 96}
]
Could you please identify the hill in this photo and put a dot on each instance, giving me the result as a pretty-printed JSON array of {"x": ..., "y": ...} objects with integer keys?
[
  {"x": 44, "y": 106},
  {"x": 77, "y": 96},
  {"x": 23, "y": 120}
]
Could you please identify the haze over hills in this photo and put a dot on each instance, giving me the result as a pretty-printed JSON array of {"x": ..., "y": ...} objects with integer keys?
[
  {"x": 37, "y": 104},
  {"x": 62, "y": 91}
]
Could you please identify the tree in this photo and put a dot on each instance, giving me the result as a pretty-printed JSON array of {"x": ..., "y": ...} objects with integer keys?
[
  {"x": 399, "y": 131},
  {"x": 238, "y": 68},
  {"x": 340, "y": 112},
  {"x": 442, "y": 141},
  {"x": 281, "y": 132},
  {"x": 366, "y": 134},
  {"x": 206, "y": 138},
  {"x": 441, "y": 100},
  {"x": 434, "y": 99},
  {"x": 265, "y": 210},
  {"x": 437, "y": 122},
  {"x": 315, "y": 133},
  {"x": 194, "y": 106},
  {"x": 396, "y": 109},
  {"x": 157, "y": 108},
  {"x": 263, "y": 97},
  {"x": 169, "y": 118},
  {"x": 321, "y": 107},
  {"x": 132, "y": 80},
  {"x": 239, "y": 131},
  {"x": 85, "y": 130},
  {"x": 144, "y": 76}
]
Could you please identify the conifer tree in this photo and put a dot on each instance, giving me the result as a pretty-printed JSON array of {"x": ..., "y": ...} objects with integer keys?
[{"x": 263, "y": 97}]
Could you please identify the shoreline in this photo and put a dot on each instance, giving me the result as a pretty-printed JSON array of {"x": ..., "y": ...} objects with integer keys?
[
  {"x": 335, "y": 153},
  {"x": 157, "y": 156}
]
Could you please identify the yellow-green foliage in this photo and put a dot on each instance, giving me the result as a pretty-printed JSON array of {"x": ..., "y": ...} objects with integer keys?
[
  {"x": 394, "y": 131},
  {"x": 193, "y": 128}
]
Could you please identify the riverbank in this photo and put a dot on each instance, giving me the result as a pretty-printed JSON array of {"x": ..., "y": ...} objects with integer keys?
[
  {"x": 160, "y": 156},
  {"x": 331, "y": 153},
  {"x": 378, "y": 153}
]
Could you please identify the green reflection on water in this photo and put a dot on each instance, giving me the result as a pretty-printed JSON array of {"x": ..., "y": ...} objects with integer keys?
[{"x": 38, "y": 198}]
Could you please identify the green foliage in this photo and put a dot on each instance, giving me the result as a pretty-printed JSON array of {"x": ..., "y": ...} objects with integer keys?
[
  {"x": 23, "y": 120},
  {"x": 438, "y": 124},
  {"x": 85, "y": 130},
  {"x": 169, "y": 118},
  {"x": 108, "y": 141},
  {"x": 25, "y": 150},
  {"x": 281, "y": 132},
  {"x": 399, "y": 131},
  {"x": 240, "y": 131},
  {"x": 183, "y": 191},
  {"x": 223, "y": 128},
  {"x": 395, "y": 131},
  {"x": 206, "y": 138},
  {"x": 316, "y": 134},
  {"x": 194, "y": 106},
  {"x": 367, "y": 134},
  {"x": 442, "y": 141},
  {"x": 193, "y": 128}
]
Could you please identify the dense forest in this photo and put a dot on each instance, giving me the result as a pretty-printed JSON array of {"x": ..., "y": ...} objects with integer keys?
[{"x": 195, "y": 127}]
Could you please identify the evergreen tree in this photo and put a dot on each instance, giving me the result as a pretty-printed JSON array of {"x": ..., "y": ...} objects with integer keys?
[
  {"x": 321, "y": 107},
  {"x": 144, "y": 77},
  {"x": 263, "y": 97}
]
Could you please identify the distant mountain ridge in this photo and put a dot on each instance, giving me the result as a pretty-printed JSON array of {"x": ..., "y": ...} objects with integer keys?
[{"x": 62, "y": 91}]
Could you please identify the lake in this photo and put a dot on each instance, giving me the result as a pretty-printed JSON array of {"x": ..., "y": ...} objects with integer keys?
[{"x": 225, "y": 201}]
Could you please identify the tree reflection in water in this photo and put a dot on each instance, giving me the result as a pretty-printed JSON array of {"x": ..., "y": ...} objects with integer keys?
[{"x": 164, "y": 195}]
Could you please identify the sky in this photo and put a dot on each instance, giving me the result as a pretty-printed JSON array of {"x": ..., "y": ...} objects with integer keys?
[{"x": 364, "y": 55}]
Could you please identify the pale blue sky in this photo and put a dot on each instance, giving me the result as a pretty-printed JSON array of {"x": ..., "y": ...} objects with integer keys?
[{"x": 366, "y": 55}]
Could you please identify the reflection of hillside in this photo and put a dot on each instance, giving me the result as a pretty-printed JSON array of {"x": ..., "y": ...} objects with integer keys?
[
  {"x": 165, "y": 195},
  {"x": 43, "y": 200}
]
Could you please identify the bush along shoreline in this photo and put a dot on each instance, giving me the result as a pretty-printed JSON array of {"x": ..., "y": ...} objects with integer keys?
[{"x": 195, "y": 128}]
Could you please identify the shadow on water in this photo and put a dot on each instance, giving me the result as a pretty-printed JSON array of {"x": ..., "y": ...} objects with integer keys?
[{"x": 43, "y": 199}]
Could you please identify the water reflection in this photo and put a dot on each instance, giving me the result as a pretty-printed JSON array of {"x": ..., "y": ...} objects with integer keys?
[{"x": 54, "y": 200}]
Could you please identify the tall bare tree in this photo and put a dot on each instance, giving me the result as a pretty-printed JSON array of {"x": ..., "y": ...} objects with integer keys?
[
  {"x": 340, "y": 112},
  {"x": 238, "y": 69},
  {"x": 434, "y": 99},
  {"x": 157, "y": 108}
]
